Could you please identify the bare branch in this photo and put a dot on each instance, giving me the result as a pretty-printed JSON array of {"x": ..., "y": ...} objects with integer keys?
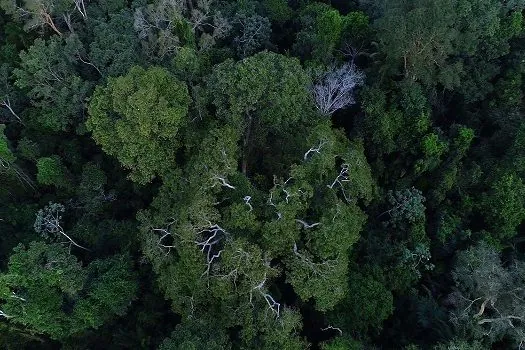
[
  {"x": 306, "y": 225},
  {"x": 247, "y": 200},
  {"x": 222, "y": 182},
  {"x": 336, "y": 89},
  {"x": 333, "y": 328},
  {"x": 340, "y": 179},
  {"x": 315, "y": 149}
]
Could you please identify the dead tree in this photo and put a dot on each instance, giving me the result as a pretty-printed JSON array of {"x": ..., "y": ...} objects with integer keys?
[
  {"x": 48, "y": 224},
  {"x": 335, "y": 90}
]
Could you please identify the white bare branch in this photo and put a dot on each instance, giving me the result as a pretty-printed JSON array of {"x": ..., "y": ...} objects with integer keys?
[
  {"x": 7, "y": 104},
  {"x": 14, "y": 296},
  {"x": 335, "y": 90},
  {"x": 273, "y": 305},
  {"x": 333, "y": 328},
  {"x": 209, "y": 240},
  {"x": 247, "y": 200},
  {"x": 79, "y": 5},
  {"x": 341, "y": 178},
  {"x": 89, "y": 64},
  {"x": 3, "y": 314},
  {"x": 222, "y": 181},
  {"x": 306, "y": 225},
  {"x": 48, "y": 221},
  {"x": 315, "y": 149},
  {"x": 318, "y": 269}
]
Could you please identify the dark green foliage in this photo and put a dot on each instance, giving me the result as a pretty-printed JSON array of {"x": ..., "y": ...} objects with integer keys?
[
  {"x": 202, "y": 175},
  {"x": 47, "y": 73}
]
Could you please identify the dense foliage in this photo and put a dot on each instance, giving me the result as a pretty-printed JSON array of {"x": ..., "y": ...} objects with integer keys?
[{"x": 262, "y": 174}]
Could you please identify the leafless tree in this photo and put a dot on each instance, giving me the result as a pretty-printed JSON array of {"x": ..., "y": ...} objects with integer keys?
[
  {"x": 335, "y": 90},
  {"x": 48, "y": 223}
]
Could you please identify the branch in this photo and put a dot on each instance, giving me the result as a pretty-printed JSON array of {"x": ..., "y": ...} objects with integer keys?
[
  {"x": 247, "y": 200},
  {"x": 222, "y": 182},
  {"x": 316, "y": 149},
  {"x": 333, "y": 328},
  {"x": 306, "y": 225}
]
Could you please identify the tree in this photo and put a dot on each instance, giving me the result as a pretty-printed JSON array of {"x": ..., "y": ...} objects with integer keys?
[
  {"x": 8, "y": 94},
  {"x": 366, "y": 305},
  {"x": 48, "y": 224},
  {"x": 253, "y": 33},
  {"x": 39, "y": 13},
  {"x": 47, "y": 72},
  {"x": 115, "y": 45},
  {"x": 167, "y": 25},
  {"x": 255, "y": 96},
  {"x": 335, "y": 90},
  {"x": 490, "y": 297},
  {"x": 504, "y": 205},
  {"x": 194, "y": 334},
  {"x": 407, "y": 205},
  {"x": 51, "y": 171},
  {"x": 47, "y": 290},
  {"x": 140, "y": 114},
  {"x": 321, "y": 32}
]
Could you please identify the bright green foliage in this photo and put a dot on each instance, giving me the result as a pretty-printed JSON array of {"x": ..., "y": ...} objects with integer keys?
[
  {"x": 251, "y": 220},
  {"x": 504, "y": 205},
  {"x": 278, "y": 10},
  {"x": 44, "y": 276},
  {"x": 51, "y": 171},
  {"x": 47, "y": 290},
  {"x": 110, "y": 287},
  {"x": 57, "y": 91},
  {"x": 432, "y": 146},
  {"x": 321, "y": 31},
  {"x": 268, "y": 88},
  {"x": 137, "y": 117}
]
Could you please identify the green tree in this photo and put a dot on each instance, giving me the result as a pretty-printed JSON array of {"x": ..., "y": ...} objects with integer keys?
[
  {"x": 51, "y": 171},
  {"x": 265, "y": 94},
  {"x": 115, "y": 45},
  {"x": 504, "y": 206},
  {"x": 137, "y": 118},
  {"x": 47, "y": 290},
  {"x": 47, "y": 72}
]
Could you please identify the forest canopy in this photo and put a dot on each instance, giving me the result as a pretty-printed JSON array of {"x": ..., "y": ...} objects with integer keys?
[{"x": 262, "y": 174}]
